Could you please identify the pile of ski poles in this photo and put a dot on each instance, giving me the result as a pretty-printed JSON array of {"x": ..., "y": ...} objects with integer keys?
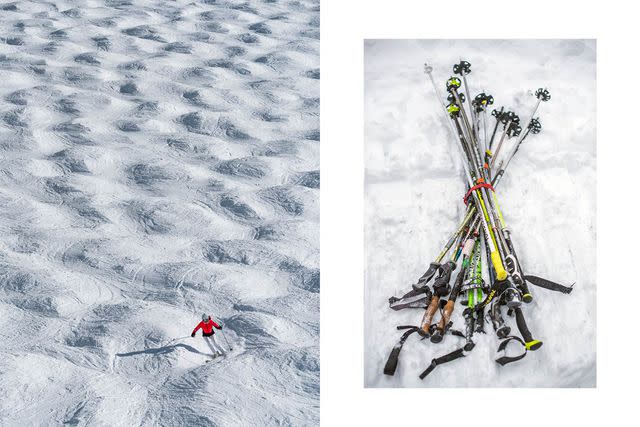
[{"x": 481, "y": 246}]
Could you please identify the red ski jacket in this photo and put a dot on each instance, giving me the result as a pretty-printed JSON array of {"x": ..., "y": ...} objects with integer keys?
[{"x": 207, "y": 328}]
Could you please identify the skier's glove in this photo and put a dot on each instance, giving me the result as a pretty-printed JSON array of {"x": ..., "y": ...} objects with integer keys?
[{"x": 193, "y": 334}]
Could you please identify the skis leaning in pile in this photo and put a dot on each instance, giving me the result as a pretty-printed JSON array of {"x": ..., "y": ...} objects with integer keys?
[{"x": 481, "y": 238}]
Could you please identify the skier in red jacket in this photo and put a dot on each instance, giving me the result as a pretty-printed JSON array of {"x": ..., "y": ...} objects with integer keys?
[{"x": 208, "y": 334}]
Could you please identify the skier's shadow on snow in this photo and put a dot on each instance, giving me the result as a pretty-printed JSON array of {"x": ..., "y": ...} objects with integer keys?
[{"x": 162, "y": 350}]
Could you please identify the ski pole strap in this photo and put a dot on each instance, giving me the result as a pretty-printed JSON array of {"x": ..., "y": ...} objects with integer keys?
[
  {"x": 456, "y": 354},
  {"x": 548, "y": 284},
  {"x": 415, "y": 298},
  {"x": 392, "y": 361},
  {"x": 456, "y": 333},
  {"x": 509, "y": 359},
  {"x": 477, "y": 187}
]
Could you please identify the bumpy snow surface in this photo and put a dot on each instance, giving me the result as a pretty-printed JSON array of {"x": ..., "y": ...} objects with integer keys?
[
  {"x": 413, "y": 202},
  {"x": 159, "y": 160}
]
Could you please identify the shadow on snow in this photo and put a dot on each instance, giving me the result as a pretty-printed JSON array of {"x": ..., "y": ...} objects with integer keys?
[{"x": 162, "y": 350}]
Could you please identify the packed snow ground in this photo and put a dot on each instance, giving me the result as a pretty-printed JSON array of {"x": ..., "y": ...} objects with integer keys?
[
  {"x": 413, "y": 202},
  {"x": 159, "y": 160}
]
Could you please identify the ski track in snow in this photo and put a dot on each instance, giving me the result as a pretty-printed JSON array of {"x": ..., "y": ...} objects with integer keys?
[
  {"x": 159, "y": 160},
  {"x": 413, "y": 202}
]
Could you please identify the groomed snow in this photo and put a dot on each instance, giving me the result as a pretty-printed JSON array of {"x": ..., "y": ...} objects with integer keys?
[
  {"x": 413, "y": 202},
  {"x": 159, "y": 160}
]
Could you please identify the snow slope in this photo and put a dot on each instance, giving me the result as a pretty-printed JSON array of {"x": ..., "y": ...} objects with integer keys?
[
  {"x": 413, "y": 202},
  {"x": 159, "y": 160}
]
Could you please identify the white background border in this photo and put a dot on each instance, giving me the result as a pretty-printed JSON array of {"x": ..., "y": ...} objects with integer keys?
[{"x": 344, "y": 25}]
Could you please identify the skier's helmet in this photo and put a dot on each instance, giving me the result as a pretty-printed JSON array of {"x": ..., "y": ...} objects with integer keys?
[{"x": 205, "y": 317}]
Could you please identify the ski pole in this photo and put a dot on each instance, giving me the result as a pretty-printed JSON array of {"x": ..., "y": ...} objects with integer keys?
[
  {"x": 225, "y": 340},
  {"x": 452, "y": 87},
  {"x": 542, "y": 95},
  {"x": 511, "y": 121},
  {"x": 498, "y": 115},
  {"x": 481, "y": 101},
  {"x": 464, "y": 68},
  {"x": 530, "y": 342},
  {"x": 534, "y": 128},
  {"x": 428, "y": 70},
  {"x": 502, "y": 330},
  {"x": 468, "y": 328}
]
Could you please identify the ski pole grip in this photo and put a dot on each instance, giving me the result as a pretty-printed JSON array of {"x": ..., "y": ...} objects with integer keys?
[
  {"x": 433, "y": 267},
  {"x": 441, "y": 283},
  {"x": 501, "y": 273},
  {"x": 446, "y": 315},
  {"x": 530, "y": 343},
  {"x": 428, "y": 315}
]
